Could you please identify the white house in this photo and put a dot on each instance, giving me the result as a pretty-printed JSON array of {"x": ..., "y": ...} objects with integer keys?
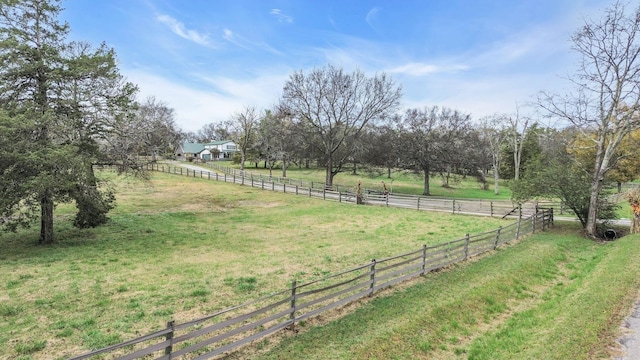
[{"x": 223, "y": 149}]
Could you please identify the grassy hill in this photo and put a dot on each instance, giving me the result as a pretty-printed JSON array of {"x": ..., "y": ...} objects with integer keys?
[
  {"x": 180, "y": 248},
  {"x": 553, "y": 296}
]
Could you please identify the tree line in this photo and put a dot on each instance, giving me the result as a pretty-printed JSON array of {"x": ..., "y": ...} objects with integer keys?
[{"x": 65, "y": 107}]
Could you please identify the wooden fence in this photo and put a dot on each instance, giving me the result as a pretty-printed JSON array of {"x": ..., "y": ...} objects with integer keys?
[
  {"x": 343, "y": 194},
  {"x": 228, "y": 329}
]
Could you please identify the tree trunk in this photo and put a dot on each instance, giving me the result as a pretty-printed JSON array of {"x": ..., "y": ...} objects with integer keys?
[
  {"x": 619, "y": 187},
  {"x": 635, "y": 224},
  {"x": 389, "y": 172},
  {"x": 496, "y": 176},
  {"x": 592, "y": 215},
  {"x": 516, "y": 164},
  {"x": 284, "y": 168},
  {"x": 242, "y": 159},
  {"x": 329, "y": 172},
  {"x": 426, "y": 182},
  {"x": 46, "y": 217}
]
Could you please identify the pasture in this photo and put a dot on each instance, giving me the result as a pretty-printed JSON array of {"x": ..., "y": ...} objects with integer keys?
[
  {"x": 180, "y": 248},
  {"x": 401, "y": 181},
  {"x": 555, "y": 295}
]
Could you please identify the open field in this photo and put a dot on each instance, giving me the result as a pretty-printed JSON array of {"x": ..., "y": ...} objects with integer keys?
[
  {"x": 553, "y": 296},
  {"x": 404, "y": 182},
  {"x": 180, "y": 248}
]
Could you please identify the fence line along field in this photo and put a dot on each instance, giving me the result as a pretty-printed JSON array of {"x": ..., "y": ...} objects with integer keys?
[
  {"x": 180, "y": 248},
  {"x": 500, "y": 208},
  {"x": 230, "y": 328}
]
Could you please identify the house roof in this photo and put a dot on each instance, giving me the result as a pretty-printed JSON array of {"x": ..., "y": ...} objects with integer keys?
[
  {"x": 192, "y": 148},
  {"x": 218, "y": 142}
]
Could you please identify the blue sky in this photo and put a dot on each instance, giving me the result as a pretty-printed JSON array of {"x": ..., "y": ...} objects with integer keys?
[{"x": 209, "y": 58}]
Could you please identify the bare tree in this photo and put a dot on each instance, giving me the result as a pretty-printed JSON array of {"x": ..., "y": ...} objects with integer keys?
[
  {"x": 212, "y": 132},
  {"x": 383, "y": 147},
  {"x": 277, "y": 139},
  {"x": 451, "y": 141},
  {"x": 605, "y": 105},
  {"x": 243, "y": 127},
  {"x": 336, "y": 106},
  {"x": 518, "y": 126},
  {"x": 416, "y": 133},
  {"x": 492, "y": 131},
  {"x": 156, "y": 128}
]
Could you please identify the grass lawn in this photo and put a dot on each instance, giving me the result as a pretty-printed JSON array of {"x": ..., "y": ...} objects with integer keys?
[
  {"x": 180, "y": 248},
  {"x": 404, "y": 182},
  {"x": 553, "y": 296}
]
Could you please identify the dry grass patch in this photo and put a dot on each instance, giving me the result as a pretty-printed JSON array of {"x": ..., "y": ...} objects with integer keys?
[{"x": 181, "y": 248}]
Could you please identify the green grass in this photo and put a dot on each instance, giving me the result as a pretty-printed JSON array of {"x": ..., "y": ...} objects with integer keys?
[
  {"x": 404, "y": 182},
  {"x": 181, "y": 248},
  {"x": 554, "y": 296}
]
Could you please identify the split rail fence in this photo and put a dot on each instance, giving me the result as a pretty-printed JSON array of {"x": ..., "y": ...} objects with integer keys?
[
  {"x": 369, "y": 197},
  {"x": 222, "y": 332}
]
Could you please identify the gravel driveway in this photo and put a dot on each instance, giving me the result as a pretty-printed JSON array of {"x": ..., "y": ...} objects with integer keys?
[{"x": 630, "y": 341}]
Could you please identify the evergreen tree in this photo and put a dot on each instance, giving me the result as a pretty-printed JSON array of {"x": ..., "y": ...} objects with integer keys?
[{"x": 59, "y": 102}]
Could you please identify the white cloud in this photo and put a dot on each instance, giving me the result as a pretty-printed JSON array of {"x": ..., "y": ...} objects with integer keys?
[
  {"x": 261, "y": 91},
  {"x": 241, "y": 41},
  {"x": 280, "y": 16},
  {"x": 231, "y": 37},
  {"x": 420, "y": 69},
  {"x": 193, "y": 108},
  {"x": 179, "y": 29},
  {"x": 196, "y": 107},
  {"x": 371, "y": 15}
]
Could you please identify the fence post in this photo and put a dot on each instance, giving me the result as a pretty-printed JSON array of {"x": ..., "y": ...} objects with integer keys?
[
  {"x": 208, "y": 175},
  {"x": 466, "y": 247},
  {"x": 324, "y": 193},
  {"x": 273, "y": 186},
  {"x": 296, "y": 189},
  {"x": 519, "y": 221},
  {"x": 387, "y": 200},
  {"x": 284, "y": 188},
  {"x": 225, "y": 177},
  {"x": 339, "y": 197},
  {"x": 309, "y": 192},
  {"x": 424, "y": 258},
  {"x": 491, "y": 207},
  {"x": 234, "y": 176},
  {"x": 262, "y": 181},
  {"x": 162, "y": 168},
  {"x": 292, "y": 316},
  {"x": 551, "y": 215},
  {"x": 533, "y": 221},
  {"x": 217, "y": 177},
  {"x": 169, "y": 337},
  {"x": 180, "y": 171},
  {"x": 418, "y": 205},
  {"x": 454, "y": 205},
  {"x": 372, "y": 277},
  {"x": 495, "y": 243}
]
